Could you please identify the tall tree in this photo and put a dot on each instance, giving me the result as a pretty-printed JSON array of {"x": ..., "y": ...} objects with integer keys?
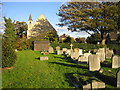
[
  {"x": 90, "y": 16},
  {"x": 8, "y": 44}
]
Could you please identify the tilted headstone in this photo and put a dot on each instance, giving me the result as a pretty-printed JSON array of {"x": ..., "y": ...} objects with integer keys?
[
  {"x": 118, "y": 79},
  {"x": 59, "y": 52},
  {"x": 43, "y": 58},
  {"x": 94, "y": 62},
  {"x": 51, "y": 50},
  {"x": 116, "y": 62},
  {"x": 87, "y": 87},
  {"x": 57, "y": 48}
]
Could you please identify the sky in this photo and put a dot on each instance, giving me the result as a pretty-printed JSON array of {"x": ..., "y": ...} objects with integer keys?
[{"x": 20, "y": 11}]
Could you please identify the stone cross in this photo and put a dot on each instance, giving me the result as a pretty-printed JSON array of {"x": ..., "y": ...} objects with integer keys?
[{"x": 71, "y": 45}]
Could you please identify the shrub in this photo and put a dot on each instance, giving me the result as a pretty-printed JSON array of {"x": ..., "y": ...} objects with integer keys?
[{"x": 8, "y": 54}]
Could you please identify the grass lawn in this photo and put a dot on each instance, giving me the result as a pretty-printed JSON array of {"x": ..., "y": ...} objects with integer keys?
[{"x": 57, "y": 72}]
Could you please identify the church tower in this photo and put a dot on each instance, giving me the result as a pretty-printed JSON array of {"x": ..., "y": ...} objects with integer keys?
[{"x": 29, "y": 26}]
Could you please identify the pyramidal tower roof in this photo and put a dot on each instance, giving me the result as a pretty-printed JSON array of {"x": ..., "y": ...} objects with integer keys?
[
  {"x": 42, "y": 17},
  {"x": 30, "y": 17}
]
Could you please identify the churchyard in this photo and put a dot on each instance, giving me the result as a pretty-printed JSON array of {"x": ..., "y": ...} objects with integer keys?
[{"x": 63, "y": 68}]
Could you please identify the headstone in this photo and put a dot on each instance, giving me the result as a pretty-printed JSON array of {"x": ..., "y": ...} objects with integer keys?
[
  {"x": 118, "y": 79},
  {"x": 59, "y": 52},
  {"x": 41, "y": 45},
  {"x": 80, "y": 52},
  {"x": 116, "y": 62},
  {"x": 84, "y": 58},
  {"x": 88, "y": 86},
  {"x": 76, "y": 50},
  {"x": 109, "y": 53},
  {"x": 74, "y": 55},
  {"x": 43, "y": 58},
  {"x": 101, "y": 56},
  {"x": 57, "y": 48},
  {"x": 68, "y": 52},
  {"x": 64, "y": 50},
  {"x": 94, "y": 62},
  {"x": 96, "y": 84},
  {"x": 51, "y": 50}
]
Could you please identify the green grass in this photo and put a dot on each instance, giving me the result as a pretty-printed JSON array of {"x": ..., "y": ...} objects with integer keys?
[{"x": 57, "y": 72}]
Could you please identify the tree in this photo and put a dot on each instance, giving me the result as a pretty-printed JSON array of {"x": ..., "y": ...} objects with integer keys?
[
  {"x": 94, "y": 38},
  {"x": 20, "y": 29},
  {"x": 8, "y": 44},
  {"x": 90, "y": 16}
]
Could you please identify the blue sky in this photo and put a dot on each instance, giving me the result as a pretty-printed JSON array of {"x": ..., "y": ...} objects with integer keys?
[{"x": 20, "y": 11}]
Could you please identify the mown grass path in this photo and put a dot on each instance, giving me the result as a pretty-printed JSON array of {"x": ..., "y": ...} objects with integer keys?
[{"x": 30, "y": 72}]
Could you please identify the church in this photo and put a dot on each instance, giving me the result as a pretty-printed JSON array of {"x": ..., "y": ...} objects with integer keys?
[{"x": 41, "y": 28}]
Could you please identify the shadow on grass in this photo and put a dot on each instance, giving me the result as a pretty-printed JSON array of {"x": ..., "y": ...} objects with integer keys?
[
  {"x": 71, "y": 79},
  {"x": 38, "y": 58},
  {"x": 77, "y": 66},
  {"x": 106, "y": 64},
  {"x": 66, "y": 59}
]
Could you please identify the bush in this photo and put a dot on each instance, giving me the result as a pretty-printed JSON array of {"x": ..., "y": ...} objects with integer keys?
[
  {"x": 8, "y": 54},
  {"x": 84, "y": 46}
]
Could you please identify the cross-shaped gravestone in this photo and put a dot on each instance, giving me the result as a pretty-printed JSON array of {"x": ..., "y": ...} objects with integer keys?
[{"x": 71, "y": 45}]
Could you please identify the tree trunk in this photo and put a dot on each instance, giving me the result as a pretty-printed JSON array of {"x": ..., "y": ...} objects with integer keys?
[
  {"x": 103, "y": 36},
  {"x": 103, "y": 41}
]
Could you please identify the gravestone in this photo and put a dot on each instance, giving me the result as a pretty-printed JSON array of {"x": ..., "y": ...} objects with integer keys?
[
  {"x": 118, "y": 79},
  {"x": 84, "y": 58},
  {"x": 80, "y": 52},
  {"x": 96, "y": 84},
  {"x": 43, "y": 58},
  {"x": 94, "y": 62},
  {"x": 59, "y": 52},
  {"x": 51, "y": 50},
  {"x": 41, "y": 45},
  {"x": 101, "y": 55},
  {"x": 64, "y": 50},
  {"x": 74, "y": 55},
  {"x": 87, "y": 87},
  {"x": 116, "y": 62},
  {"x": 109, "y": 53},
  {"x": 68, "y": 52},
  {"x": 57, "y": 48}
]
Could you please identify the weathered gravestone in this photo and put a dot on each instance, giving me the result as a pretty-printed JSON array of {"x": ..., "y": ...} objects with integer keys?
[
  {"x": 94, "y": 85},
  {"x": 51, "y": 50},
  {"x": 41, "y": 45},
  {"x": 109, "y": 53},
  {"x": 43, "y": 58},
  {"x": 101, "y": 55},
  {"x": 118, "y": 79},
  {"x": 84, "y": 58},
  {"x": 59, "y": 52},
  {"x": 57, "y": 48},
  {"x": 94, "y": 62},
  {"x": 116, "y": 62},
  {"x": 68, "y": 52},
  {"x": 64, "y": 50},
  {"x": 74, "y": 55}
]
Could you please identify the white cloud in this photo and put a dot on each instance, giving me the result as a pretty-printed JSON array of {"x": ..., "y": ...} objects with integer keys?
[{"x": 64, "y": 30}]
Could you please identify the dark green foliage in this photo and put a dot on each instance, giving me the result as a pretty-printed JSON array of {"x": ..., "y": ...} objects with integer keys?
[
  {"x": 8, "y": 54},
  {"x": 76, "y": 45},
  {"x": 90, "y": 16},
  {"x": 8, "y": 44},
  {"x": 94, "y": 38}
]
